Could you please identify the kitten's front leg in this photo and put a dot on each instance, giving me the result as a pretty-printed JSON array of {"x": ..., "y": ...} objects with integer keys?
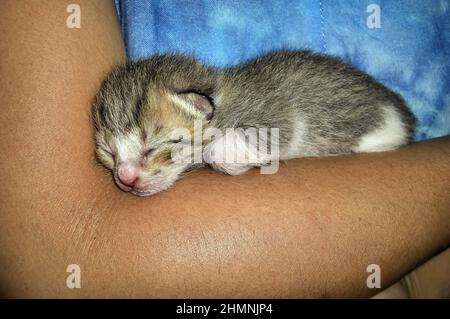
[
  {"x": 232, "y": 154},
  {"x": 231, "y": 168}
]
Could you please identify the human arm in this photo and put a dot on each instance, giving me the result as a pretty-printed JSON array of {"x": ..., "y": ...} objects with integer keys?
[{"x": 308, "y": 231}]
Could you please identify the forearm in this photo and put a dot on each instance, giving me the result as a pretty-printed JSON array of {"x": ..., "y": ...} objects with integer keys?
[{"x": 309, "y": 230}]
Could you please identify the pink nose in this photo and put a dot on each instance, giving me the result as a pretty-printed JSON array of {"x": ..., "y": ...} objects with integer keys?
[{"x": 127, "y": 173}]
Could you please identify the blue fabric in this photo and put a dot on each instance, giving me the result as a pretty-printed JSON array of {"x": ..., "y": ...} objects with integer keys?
[{"x": 410, "y": 53}]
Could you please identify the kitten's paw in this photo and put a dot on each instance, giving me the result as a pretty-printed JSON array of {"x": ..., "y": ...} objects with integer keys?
[{"x": 231, "y": 168}]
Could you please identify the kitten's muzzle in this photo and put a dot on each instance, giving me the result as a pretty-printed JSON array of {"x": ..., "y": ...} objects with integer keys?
[
  {"x": 128, "y": 175},
  {"x": 131, "y": 177}
]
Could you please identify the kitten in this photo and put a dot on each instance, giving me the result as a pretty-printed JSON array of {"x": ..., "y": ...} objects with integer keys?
[{"x": 314, "y": 105}]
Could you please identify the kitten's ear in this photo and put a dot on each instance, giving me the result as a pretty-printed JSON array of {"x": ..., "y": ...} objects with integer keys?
[{"x": 197, "y": 103}]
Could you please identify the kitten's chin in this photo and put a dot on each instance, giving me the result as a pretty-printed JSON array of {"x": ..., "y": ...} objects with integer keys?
[
  {"x": 143, "y": 193},
  {"x": 147, "y": 192},
  {"x": 152, "y": 188}
]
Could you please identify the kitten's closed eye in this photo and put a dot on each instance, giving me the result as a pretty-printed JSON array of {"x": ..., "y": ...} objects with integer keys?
[
  {"x": 176, "y": 141},
  {"x": 108, "y": 152},
  {"x": 149, "y": 152}
]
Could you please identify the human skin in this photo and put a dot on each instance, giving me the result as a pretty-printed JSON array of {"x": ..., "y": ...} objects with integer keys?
[{"x": 310, "y": 230}]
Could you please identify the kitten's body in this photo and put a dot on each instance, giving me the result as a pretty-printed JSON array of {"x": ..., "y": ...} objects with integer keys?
[
  {"x": 320, "y": 105},
  {"x": 326, "y": 106}
]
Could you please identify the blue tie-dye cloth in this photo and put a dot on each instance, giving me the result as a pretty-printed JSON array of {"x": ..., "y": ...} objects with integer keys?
[{"x": 407, "y": 49}]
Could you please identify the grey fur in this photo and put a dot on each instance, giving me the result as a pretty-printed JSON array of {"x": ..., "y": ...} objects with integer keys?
[{"x": 338, "y": 102}]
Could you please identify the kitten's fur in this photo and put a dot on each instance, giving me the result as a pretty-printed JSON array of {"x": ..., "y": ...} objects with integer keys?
[{"x": 321, "y": 106}]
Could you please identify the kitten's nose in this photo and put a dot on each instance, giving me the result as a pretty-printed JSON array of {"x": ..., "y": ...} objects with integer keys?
[{"x": 127, "y": 173}]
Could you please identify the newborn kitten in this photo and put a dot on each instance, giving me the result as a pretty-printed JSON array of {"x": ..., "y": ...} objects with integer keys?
[{"x": 320, "y": 106}]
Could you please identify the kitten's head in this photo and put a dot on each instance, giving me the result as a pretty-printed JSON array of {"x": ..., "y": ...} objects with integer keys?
[{"x": 141, "y": 124}]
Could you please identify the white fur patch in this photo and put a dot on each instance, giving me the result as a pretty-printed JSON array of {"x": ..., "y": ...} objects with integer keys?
[
  {"x": 129, "y": 147},
  {"x": 390, "y": 136},
  {"x": 297, "y": 145},
  {"x": 233, "y": 155}
]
